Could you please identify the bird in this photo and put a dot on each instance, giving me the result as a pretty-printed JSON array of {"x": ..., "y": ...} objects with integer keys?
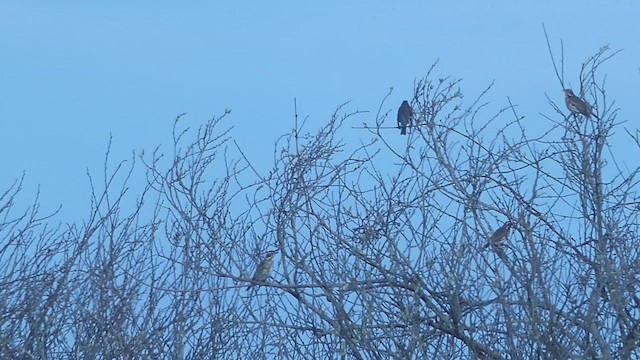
[
  {"x": 576, "y": 105},
  {"x": 500, "y": 235},
  {"x": 263, "y": 271},
  {"x": 405, "y": 116}
]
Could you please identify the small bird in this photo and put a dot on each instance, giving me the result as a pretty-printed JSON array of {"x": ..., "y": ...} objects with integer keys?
[
  {"x": 500, "y": 236},
  {"x": 263, "y": 271},
  {"x": 405, "y": 117},
  {"x": 576, "y": 105}
]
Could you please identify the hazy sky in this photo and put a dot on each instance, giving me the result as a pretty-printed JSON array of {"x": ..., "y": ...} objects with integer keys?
[{"x": 72, "y": 73}]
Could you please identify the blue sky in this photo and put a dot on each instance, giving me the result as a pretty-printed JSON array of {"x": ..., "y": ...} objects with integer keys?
[{"x": 73, "y": 73}]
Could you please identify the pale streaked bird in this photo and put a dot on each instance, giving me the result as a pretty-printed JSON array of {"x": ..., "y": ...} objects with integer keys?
[
  {"x": 405, "y": 117},
  {"x": 501, "y": 235},
  {"x": 576, "y": 105},
  {"x": 263, "y": 271}
]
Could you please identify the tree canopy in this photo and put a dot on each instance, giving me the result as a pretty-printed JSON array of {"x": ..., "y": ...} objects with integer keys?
[{"x": 382, "y": 241}]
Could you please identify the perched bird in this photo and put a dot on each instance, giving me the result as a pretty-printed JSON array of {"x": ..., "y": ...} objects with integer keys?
[
  {"x": 405, "y": 116},
  {"x": 576, "y": 105},
  {"x": 500, "y": 236},
  {"x": 263, "y": 271}
]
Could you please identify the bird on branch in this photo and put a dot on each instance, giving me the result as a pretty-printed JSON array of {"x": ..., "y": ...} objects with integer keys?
[
  {"x": 500, "y": 235},
  {"x": 576, "y": 105},
  {"x": 405, "y": 117},
  {"x": 263, "y": 271}
]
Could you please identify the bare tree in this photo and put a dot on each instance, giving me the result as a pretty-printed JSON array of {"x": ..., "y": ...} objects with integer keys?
[{"x": 387, "y": 246}]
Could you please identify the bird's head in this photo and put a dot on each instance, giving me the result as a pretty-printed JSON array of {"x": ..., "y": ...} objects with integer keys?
[
  {"x": 508, "y": 225},
  {"x": 271, "y": 254},
  {"x": 568, "y": 92}
]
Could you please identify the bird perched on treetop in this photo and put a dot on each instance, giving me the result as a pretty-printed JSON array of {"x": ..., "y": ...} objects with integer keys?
[
  {"x": 500, "y": 236},
  {"x": 405, "y": 117},
  {"x": 576, "y": 105},
  {"x": 263, "y": 271}
]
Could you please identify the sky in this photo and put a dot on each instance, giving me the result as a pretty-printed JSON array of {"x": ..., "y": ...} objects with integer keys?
[{"x": 74, "y": 74}]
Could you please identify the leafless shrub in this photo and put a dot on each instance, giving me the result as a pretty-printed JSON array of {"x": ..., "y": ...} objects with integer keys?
[{"x": 382, "y": 242}]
